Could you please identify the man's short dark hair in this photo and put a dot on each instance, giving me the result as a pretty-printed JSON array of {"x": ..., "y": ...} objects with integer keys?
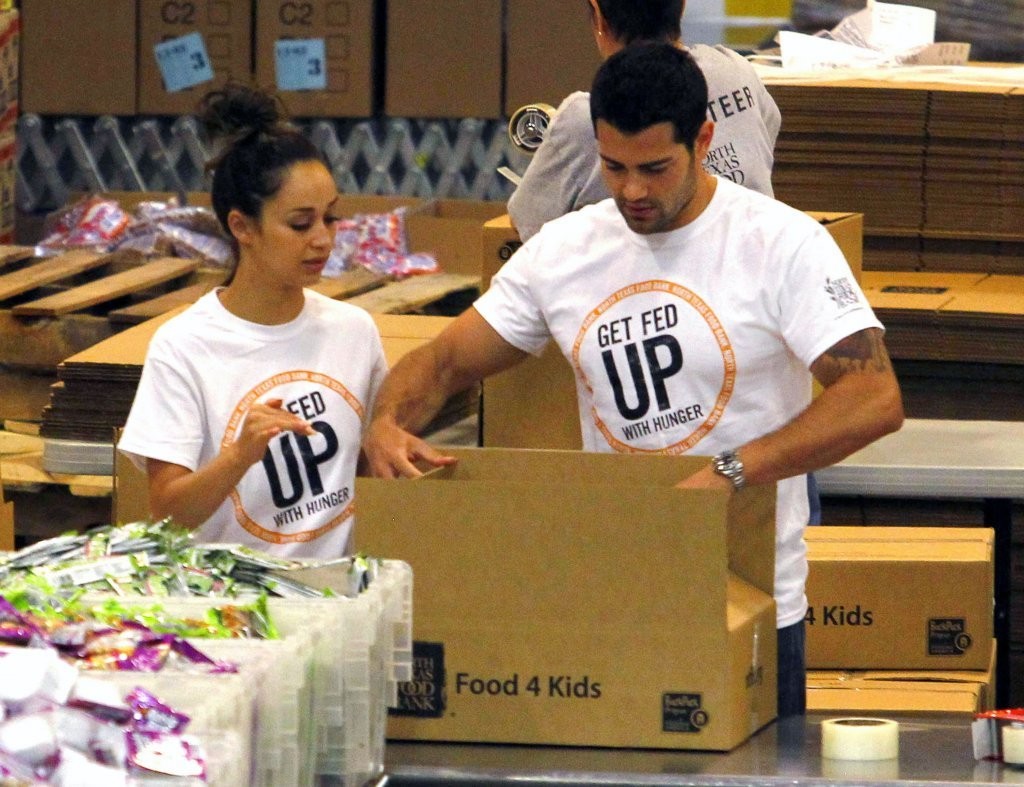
[
  {"x": 643, "y": 20},
  {"x": 646, "y": 84}
]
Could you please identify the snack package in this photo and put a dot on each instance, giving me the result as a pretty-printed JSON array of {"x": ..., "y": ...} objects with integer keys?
[
  {"x": 91, "y": 223},
  {"x": 167, "y": 229},
  {"x": 378, "y": 242}
]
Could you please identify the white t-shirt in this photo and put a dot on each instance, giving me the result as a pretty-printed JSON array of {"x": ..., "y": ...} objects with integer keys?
[
  {"x": 691, "y": 341},
  {"x": 206, "y": 367}
]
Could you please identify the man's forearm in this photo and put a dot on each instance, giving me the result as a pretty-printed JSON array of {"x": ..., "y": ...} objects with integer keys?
[{"x": 414, "y": 391}]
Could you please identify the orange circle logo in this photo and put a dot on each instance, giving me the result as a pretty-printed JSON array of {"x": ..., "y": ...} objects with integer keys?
[
  {"x": 645, "y": 402},
  {"x": 231, "y": 434}
]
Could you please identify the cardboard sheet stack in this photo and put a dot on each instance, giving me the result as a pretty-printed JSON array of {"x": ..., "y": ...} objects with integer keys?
[{"x": 935, "y": 167}]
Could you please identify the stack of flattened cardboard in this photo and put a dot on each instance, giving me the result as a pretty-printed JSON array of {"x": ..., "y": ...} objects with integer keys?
[
  {"x": 936, "y": 167},
  {"x": 974, "y": 162},
  {"x": 859, "y": 148},
  {"x": 927, "y": 646}
]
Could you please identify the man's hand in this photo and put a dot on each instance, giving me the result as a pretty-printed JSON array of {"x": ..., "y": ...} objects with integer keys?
[{"x": 391, "y": 452}]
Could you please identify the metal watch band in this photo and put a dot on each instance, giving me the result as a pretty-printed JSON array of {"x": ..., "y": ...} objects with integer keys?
[{"x": 728, "y": 465}]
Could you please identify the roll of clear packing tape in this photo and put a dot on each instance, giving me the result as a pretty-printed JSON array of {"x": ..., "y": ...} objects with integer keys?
[
  {"x": 860, "y": 739},
  {"x": 1013, "y": 744},
  {"x": 861, "y": 770},
  {"x": 528, "y": 125}
]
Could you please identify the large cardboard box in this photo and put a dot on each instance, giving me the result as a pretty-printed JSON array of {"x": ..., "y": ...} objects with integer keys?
[
  {"x": 899, "y": 691},
  {"x": 554, "y": 604},
  {"x": 443, "y": 59},
  {"x": 511, "y": 416},
  {"x": 226, "y": 29},
  {"x": 349, "y": 34},
  {"x": 78, "y": 58},
  {"x": 549, "y": 52},
  {"x": 899, "y": 597}
]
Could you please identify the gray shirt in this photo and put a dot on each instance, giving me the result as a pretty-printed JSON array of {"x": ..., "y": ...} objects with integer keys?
[{"x": 565, "y": 171}]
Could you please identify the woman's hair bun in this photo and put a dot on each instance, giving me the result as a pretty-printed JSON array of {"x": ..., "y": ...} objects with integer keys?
[{"x": 237, "y": 110}]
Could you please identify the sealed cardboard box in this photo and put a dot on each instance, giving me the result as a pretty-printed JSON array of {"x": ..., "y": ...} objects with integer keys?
[
  {"x": 550, "y": 52},
  {"x": 554, "y": 606},
  {"x": 348, "y": 31},
  {"x": 895, "y": 691},
  {"x": 78, "y": 58},
  {"x": 443, "y": 59},
  {"x": 899, "y": 597},
  {"x": 226, "y": 30},
  {"x": 511, "y": 417}
]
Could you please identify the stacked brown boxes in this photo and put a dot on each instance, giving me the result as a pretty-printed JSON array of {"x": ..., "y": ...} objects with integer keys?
[
  {"x": 459, "y": 59},
  {"x": 900, "y": 618}
]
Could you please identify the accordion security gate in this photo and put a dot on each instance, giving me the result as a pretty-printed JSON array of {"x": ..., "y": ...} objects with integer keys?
[{"x": 387, "y": 156}]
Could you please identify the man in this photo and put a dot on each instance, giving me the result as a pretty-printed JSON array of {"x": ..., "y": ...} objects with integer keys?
[
  {"x": 564, "y": 173},
  {"x": 694, "y": 313}
]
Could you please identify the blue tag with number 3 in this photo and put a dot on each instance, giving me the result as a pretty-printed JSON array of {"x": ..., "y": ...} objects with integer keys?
[
  {"x": 300, "y": 64},
  {"x": 183, "y": 62}
]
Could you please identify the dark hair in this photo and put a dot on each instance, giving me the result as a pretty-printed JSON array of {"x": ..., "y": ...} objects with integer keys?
[
  {"x": 257, "y": 145},
  {"x": 643, "y": 20},
  {"x": 645, "y": 84}
]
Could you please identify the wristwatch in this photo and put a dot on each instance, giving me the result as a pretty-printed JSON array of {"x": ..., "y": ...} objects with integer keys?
[{"x": 728, "y": 465}]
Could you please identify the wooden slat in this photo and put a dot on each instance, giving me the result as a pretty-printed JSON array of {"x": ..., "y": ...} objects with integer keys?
[
  {"x": 109, "y": 287},
  {"x": 48, "y": 271},
  {"x": 414, "y": 293},
  {"x": 350, "y": 283},
  {"x": 154, "y": 307},
  {"x": 12, "y": 254}
]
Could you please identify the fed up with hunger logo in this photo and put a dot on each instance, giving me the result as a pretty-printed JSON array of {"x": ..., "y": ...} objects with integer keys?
[{"x": 629, "y": 355}]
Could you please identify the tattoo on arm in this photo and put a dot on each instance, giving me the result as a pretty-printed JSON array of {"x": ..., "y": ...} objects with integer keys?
[{"x": 863, "y": 351}]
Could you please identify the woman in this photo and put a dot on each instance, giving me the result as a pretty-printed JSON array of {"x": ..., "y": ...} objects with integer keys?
[{"x": 250, "y": 408}]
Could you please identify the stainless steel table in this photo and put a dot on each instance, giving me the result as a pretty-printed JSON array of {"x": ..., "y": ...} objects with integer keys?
[
  {"x": 934, "y": 750},
  {"x": 928, "y": 458}
]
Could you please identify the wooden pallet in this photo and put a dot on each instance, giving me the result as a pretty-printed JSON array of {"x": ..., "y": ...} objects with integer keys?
[{"x": 53, "y": 308}]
